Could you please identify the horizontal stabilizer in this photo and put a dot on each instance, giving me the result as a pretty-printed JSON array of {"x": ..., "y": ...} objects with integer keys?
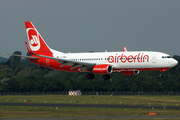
[{"x": 30, "y": 57}]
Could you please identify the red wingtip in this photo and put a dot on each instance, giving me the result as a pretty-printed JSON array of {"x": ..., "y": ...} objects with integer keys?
[{"x": 124, "y": 49}]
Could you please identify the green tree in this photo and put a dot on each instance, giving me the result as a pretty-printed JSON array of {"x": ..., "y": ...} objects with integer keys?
[
  {"x": 14, "y": 60},
  {"x": 6, "y": 73}
]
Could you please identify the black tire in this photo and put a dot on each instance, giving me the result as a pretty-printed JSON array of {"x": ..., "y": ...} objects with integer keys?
[{"x": 90, "y": 76}]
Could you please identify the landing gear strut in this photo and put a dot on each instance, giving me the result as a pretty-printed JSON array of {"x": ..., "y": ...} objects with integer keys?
[
  {"x": 106, "y": 77},
  {"x": 160, "y": 75}
]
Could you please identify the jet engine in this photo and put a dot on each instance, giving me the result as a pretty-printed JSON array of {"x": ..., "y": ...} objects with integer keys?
[
  {"x": 129, "y": 72},
  {"x": 102, "y": 69}
]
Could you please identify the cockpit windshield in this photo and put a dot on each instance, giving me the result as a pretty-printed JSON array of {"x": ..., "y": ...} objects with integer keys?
[{"x": 166, "y": 56}]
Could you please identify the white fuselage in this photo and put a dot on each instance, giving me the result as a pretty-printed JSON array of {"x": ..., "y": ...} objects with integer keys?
[{"x": 136, "y": 60}]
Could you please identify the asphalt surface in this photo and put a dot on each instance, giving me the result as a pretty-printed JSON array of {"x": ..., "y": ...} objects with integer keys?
[{"x": 89, "y": 105}]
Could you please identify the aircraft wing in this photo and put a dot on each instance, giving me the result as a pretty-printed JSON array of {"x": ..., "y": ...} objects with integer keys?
[{"x": 74, "y": 64}]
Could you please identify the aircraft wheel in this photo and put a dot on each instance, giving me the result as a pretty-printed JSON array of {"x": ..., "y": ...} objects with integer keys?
[
  {"x": 106, "y": 77},
  {"x": 90, "y": 76}
]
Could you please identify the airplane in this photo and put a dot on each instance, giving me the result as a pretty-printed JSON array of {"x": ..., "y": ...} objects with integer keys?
[{"x": 125, "y": 62}]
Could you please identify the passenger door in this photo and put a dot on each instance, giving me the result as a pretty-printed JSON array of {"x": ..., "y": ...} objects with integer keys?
[{"x": 154, "y": 58}]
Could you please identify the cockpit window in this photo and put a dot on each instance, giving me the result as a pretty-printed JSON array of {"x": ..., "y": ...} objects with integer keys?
[{"x": 166, "y": 57}]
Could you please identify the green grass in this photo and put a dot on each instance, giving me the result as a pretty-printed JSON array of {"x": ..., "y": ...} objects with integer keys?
[
  {"x": 32, "y": 111},
  {"x": 93, "y": 99}
]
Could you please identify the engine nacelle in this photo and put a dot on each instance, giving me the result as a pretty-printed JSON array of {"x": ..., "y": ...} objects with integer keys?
[
  {"x": 129, "y": 72},
  {"x": 102, "y": 69}
]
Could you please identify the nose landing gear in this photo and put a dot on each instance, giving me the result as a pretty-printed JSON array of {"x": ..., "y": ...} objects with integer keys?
[{"x": 160, "y": 75}]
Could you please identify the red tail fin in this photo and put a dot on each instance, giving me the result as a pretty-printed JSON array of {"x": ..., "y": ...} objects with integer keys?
[{"x": 36, "y": 42}]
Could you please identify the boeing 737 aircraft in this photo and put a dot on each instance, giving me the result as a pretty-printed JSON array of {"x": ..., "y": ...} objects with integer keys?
[{"x": 125, "y": 62}]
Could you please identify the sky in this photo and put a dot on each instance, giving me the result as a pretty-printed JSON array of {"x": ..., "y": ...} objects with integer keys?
[{"x": 92, "y": 25}]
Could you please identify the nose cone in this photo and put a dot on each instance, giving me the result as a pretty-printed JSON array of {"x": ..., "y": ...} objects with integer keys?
[{"x": 174, "y": 62}]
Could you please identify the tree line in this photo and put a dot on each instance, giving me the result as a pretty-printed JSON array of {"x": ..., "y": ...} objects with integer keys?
[{"x": 20, "y": 75}]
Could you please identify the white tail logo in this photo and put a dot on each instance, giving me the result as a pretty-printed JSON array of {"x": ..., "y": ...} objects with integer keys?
[{"x": 33, "y": 39}]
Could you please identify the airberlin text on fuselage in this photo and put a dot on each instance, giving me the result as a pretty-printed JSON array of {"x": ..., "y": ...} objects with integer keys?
[{"x": 123, "y": 58}]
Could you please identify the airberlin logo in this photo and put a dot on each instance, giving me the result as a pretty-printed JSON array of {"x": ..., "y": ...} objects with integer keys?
[
  {"x": 124, "y": 58},
  {"x": 33, "y": 39},
  {"x": 100, "y": 69}
]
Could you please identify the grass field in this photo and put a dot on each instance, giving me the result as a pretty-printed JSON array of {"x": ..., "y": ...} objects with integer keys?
[
  {"x": 95, "y": 99},
  {"x": 32, "y": 111},
  {"x": 26, "y": 111}
]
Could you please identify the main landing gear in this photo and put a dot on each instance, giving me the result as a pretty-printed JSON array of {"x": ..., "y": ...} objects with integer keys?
[
  {"x": 90, "y": 76},
  {"x": 105, "y": 77}
]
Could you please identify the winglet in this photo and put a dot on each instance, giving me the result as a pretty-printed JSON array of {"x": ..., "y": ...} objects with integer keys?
[{"x": 124, "y": 49}]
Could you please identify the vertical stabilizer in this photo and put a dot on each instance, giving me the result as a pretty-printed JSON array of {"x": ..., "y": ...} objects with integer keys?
[{"x": 36, "y": 42}]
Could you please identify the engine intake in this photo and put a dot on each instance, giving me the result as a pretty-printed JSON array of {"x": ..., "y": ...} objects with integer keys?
[
  {"x": 102, "y": 69},
  {"x": 129, "y": 72}
]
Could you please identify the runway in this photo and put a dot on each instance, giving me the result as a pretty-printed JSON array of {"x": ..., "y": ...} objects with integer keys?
[{"x": 89, "y": 105}]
